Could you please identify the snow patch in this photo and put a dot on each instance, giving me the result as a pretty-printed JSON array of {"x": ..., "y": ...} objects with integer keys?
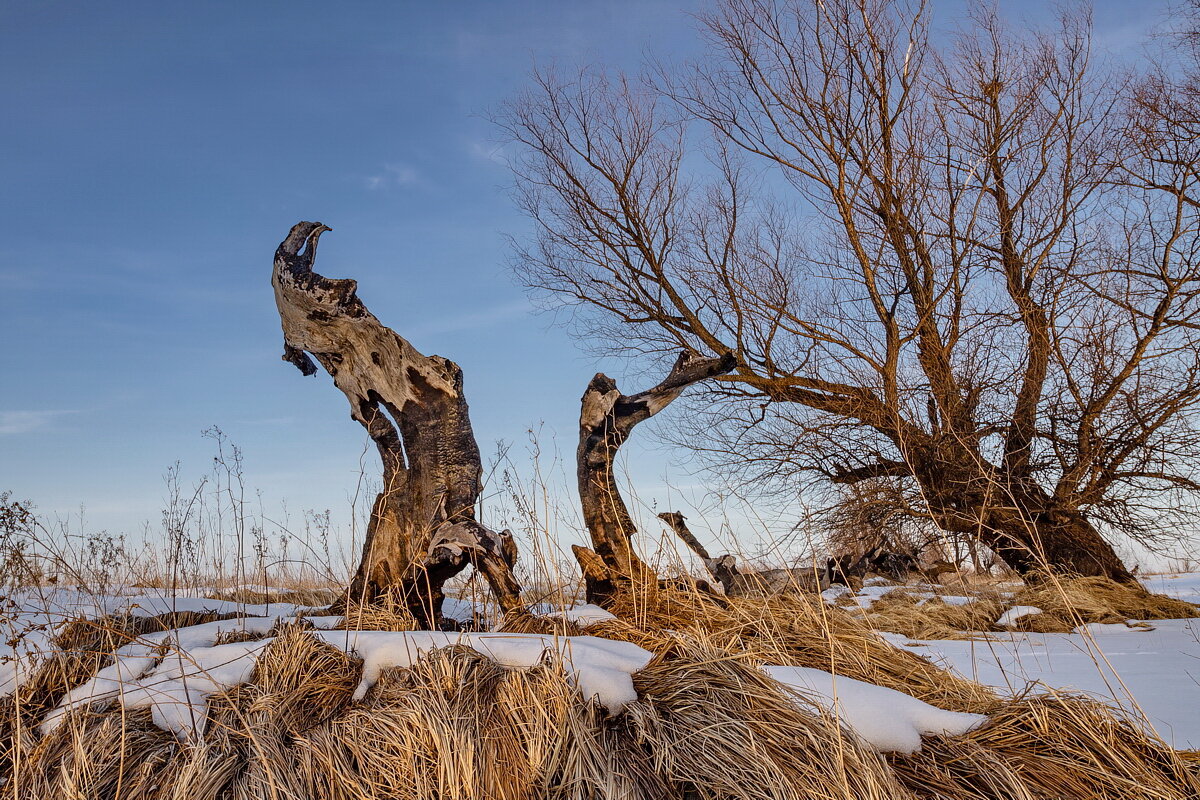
[
  {"x": 107, "y": 683},
  {"x": 835, "y": 593},
  {"x": 583, "y": 615},
  {"x": 952, "y": 600},
  {"x": 1138, "y": 670},
  {"x": 1010, "y": 617},
  {"x": 601, "y": 668},
  {"x": 1097, "y": 628},
  {"x": 886, "y": 720}
]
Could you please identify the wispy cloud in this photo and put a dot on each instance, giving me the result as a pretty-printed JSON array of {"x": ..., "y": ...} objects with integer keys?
[
  {"x": 470, "y": 321},
  {"x": 15, "y": 422},
  {"x": 392, "y": 175},
  {"x": 488, "y": 151}
]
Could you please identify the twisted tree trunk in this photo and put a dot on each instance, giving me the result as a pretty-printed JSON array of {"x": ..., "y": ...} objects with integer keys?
[
  {"x": 606, "y": 419},
  {"x": 423, "y": 529}
]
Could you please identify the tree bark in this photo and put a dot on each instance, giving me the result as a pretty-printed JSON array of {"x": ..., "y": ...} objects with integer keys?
[
  {"x": 1022, "y": 525},
  {"x": 423, "y": 529},
  {"x": 1063, "y": 542},
  {"x": 606, "y": 419}
]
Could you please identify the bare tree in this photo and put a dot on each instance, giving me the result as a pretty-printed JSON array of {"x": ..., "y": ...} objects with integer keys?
[
  {"x": 423, "y": 529},
  {"x": 965, "y": 269}
]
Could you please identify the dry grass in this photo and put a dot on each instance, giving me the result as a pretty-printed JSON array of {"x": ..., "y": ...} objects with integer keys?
[
  {"x": 311, "y": 598},
  {"x": 1050, "y": 747},
  {"x": 906, "y": 614},
  {"x": 765, "y": 746},
  {"x": 388, "y": 615},
  {"x": 708, "y": 724},
  {"x": 1068, "y": 603},
  {"x": 799, "y": 630}
]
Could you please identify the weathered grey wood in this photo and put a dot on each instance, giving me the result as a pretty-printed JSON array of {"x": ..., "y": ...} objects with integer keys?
[
  {"x": 606, "y": 419},
  {"x": 423, "y": 529},
  {"x": 738, "y": 583}
]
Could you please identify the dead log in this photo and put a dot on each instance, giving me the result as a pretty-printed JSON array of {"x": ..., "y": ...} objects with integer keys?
[
  {"x": 423, "y": 529},
  {"x": 738, "y": 583},
  {"x": 677, "y": 522},
  {"x": 606, "y": 419}
]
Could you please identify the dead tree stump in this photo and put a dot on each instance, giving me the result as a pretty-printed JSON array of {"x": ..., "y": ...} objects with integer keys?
[
  {"x": 606, "y": 419},
  {"x": 423, "y": 529}
]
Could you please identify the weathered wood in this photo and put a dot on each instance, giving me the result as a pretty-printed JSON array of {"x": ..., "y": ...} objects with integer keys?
[
  {"x": 677, "y": 522},
  {"x": 423, "y": 529},
  {"x": 606, "y": 419},
  {"x": 738, "y": 583}
]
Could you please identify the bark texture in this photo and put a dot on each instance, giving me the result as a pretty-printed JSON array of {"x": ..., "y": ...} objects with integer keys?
[
  {"x": 423, "y": 529},
  {"x": 606, "y": 419}
]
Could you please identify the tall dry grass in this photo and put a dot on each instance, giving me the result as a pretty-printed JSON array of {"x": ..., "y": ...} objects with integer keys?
[
  {"x": 457, "y": 726},
  {"x": 708, "y": 724}
]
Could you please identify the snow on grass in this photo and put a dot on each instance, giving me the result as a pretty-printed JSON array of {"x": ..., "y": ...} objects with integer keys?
[
  {"x": 601, "y": 668},
  {"x": 29, "y": 618},
  {"x": 835, "y": 593},
  {"x": 583, "y": 615},
  {"x": 177, "y": 690},
  {"x": 1010, "y": 617},
  {"x": 950, "y": 599},
  {"x": 108, "y": 682},
  {"x": 887, "y": 720},
  {"x": 178, "y": 686},
  {"x": 66, "y": 603},
  {"x": 1152, "y": 670}
]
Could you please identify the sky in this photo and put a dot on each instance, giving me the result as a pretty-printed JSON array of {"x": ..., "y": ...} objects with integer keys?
[{"x": 152, "y": 156}]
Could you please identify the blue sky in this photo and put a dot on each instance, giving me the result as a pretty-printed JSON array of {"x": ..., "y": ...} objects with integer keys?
[{"x": 152, "y": 155}]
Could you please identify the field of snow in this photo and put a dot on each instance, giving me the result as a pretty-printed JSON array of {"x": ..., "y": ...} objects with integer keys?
[{"x": 1151, "y": 672}]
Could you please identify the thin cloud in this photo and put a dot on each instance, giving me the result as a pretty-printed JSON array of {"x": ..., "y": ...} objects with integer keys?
[
  {"x": 17, "y": 422},
  {"x": 471, "y": 321},
  {"x": 486, "y": 151},
  {"x": 392, "y": 175}
]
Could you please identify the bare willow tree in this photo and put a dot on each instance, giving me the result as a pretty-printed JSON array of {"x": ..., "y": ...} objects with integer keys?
[{"x": 971, "y": 269}]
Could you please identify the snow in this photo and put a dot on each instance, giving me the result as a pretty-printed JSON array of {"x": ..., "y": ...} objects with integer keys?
[
  {"x": 950, "y": 600},
  {"x": 835, "y": 592},
  {"x": 867, "y": 596},
  {"x": 108, "y": 682},
  {"x": 463, "y": 610},
  {"x": 601, "y": 668},
  {"x": 1181, "y": 585},
  {"x": 1010, "y": 617},
  {"x": 1155, "y": 671},
  {"x": 583, "y": 615},
  {"x": 886, "y": 720},
  {"x": 29, "y": 619},
  {"x": 177, "y": 690},
  {"x": 894, "y": 639}
]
